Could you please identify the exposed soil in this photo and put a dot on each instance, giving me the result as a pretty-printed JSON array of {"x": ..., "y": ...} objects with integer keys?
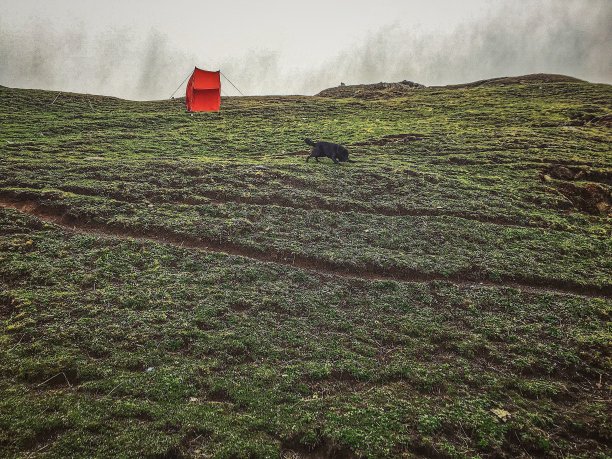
[
  {"x": 591, "y": 198},
  {"x": 589, "y": 119},
  {"x": 582, "y": 173},
  {"x": 576, "y": 184},
  {"x": 293, "y": 449},
  {"x": 241, "y": 306},
  {"x": 604, "y": 120},
  {"x": 323, "y": 267},
  {"x": 43, "y": 438},
  {"x": 562, "y": 172},
  {"x": 68, "y": 377},
  {"x": 7, "y": 305},
  {"x": 219, "y": 396}
]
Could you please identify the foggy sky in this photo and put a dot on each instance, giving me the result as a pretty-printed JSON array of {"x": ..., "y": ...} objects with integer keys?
[{"x": 143, "y": 49}]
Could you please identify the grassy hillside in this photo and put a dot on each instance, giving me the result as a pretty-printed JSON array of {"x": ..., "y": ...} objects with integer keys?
[{"x": 186, "y": 285}]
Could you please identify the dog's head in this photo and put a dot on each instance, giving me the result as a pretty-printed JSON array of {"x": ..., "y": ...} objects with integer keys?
[{"x": 342, "y": 155}]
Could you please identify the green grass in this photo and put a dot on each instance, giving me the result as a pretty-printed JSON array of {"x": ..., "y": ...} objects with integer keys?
[{"x": 468, "y": 280}]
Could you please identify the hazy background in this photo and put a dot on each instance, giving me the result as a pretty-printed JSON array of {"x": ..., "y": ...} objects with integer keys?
[{"x": 142, "y": 49}]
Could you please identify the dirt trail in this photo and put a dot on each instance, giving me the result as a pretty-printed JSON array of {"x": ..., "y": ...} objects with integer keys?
[{"x": 61, "y": 219}]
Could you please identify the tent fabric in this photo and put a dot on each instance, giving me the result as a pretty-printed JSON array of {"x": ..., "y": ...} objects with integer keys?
[{"x": 203, "y": 91}]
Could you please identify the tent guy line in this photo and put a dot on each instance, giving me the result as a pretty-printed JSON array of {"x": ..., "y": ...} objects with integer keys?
[
  {"x": 223, "y": 75},
  {"x": 182, "y": 83}
]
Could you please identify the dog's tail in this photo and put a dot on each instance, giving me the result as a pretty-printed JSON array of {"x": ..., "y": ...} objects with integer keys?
[{"x": 310, "y": 142}]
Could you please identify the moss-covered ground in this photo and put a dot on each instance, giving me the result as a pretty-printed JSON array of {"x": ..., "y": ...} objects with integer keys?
[{"x": 186, "y": 285}]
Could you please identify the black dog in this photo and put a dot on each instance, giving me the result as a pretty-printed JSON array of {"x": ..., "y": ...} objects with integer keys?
[{"x": 336, "y": 152}]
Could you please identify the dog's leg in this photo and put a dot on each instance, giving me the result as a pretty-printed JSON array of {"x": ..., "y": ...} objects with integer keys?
[
  {"x": 312, "y": 154},
  {"x": 334, "y": 159}
]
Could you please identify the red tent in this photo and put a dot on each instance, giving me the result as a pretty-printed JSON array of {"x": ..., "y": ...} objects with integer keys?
[{"x": 204, "y": 91}]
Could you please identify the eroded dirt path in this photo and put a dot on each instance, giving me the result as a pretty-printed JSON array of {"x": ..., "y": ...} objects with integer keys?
[{"x": 322, "y": 267}]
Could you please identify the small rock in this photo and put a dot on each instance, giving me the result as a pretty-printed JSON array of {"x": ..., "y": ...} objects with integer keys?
[
  {"x": 149, "y": 370},
  {"x": 501, "y": 414},
  {"x": 602, "y": 207},
  {"x": 562, "y": 173}
]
